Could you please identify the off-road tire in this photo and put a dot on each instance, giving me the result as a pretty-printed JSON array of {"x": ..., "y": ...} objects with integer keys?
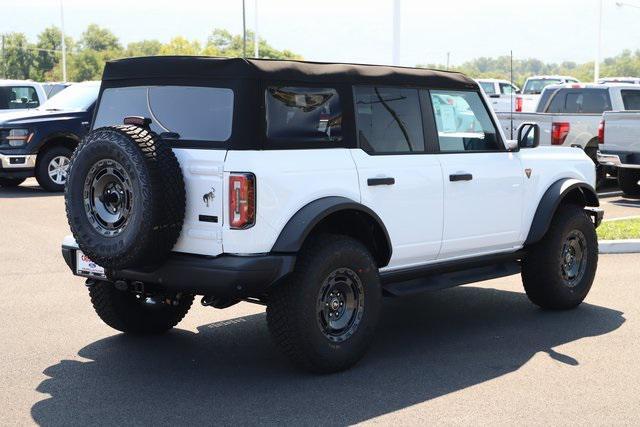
[
  {"x": 11, "y": 182},
  {"x": 628, "y": 181},
  {"x": 42, "y": 166},
  {"x": 158, "y": 194},
  {"x": 292, "y": 305},
  {"x": 123, "y": 311},
  {"x": 542, "y": 273}
]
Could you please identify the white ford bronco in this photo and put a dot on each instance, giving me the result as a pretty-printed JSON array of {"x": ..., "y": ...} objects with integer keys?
[{"x": 314, "y": 189}]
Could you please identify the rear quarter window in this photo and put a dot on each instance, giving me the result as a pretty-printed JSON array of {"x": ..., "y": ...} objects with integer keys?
[
  {"x": 193, "y": 113},
  {"x": 631, "y": 99}
]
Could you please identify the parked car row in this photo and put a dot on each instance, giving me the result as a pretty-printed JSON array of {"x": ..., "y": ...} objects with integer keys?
[{"x": 39, "y": 141}]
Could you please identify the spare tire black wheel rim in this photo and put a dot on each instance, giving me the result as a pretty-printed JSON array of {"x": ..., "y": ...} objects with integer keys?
[
  {"x": 574, "y": 258},
  {"x": 108, "y": 197},
  {"x": 340, "y": 304}
]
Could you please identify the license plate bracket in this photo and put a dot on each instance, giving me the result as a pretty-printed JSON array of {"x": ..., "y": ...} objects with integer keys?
[{"x": 87, "y": 268}]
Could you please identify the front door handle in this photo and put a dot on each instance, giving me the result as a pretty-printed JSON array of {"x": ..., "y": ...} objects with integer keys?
[
  {"x": 460, "y": 177},
  {"x": 380, "y": 181}
]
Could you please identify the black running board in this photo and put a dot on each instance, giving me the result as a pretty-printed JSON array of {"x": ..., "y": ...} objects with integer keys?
[{"x": 447, "y": 275}]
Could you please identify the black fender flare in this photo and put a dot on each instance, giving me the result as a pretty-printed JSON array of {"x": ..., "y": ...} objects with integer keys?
[
  {"x": 550, "y": 201},
  {"x": 301, "y": 224}
]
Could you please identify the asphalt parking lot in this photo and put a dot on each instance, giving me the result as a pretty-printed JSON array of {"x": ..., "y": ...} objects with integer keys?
[{"x": 479, "y": 354}]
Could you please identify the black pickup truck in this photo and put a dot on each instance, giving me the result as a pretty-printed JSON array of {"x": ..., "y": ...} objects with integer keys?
[{"x": 39, "y": 142}]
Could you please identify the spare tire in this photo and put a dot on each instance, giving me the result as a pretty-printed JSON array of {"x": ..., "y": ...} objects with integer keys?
[{"x": 125, "y": 197}]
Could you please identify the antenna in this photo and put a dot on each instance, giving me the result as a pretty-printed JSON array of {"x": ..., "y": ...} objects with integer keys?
[{"x": 511, "y": 81}]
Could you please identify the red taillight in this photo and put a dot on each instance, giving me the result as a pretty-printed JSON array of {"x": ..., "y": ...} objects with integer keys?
[
  {"x": 559, "y": 132},
  {"x": 601, "y": 132},
  {"x": 242, "y": 200},
  {"x": 519, "y": 104}
]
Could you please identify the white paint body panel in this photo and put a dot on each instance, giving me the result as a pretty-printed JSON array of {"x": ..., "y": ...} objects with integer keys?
[
  {"x": 411, "y": 209},
  {"x": 203, "y": 178},
  {"x": 621, "y": 132},
  {"x": 287, "y": 180}
]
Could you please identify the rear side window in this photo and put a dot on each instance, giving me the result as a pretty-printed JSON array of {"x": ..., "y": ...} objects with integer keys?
[
  {"x": 631, "y": 99},
  {"x": 302, "y": 115},
  {"x": 193, "y": 113},
  {"x": 544, "y": 99},
  {"x": 507, "y": 89},
  {"x": 535, "y": 86},
  {"x": 488, "y": 88},
  {"x": 463, "y": 122},
  {"x": 593, "y": 101},
  {"x": 389, "y": 120},
  {"x": 18, "y": 97}
]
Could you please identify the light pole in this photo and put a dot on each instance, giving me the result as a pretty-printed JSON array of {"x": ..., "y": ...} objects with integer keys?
[
  {"x": 63, "y": 44},
  {"x": 596, "y": 66},
  {"x": 244, "y": 31},
  {"x": 396, "y": 32},
  {"x": 256, "y": 43}
]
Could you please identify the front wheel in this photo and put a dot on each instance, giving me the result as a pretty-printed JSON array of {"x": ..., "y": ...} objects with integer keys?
[
  {"x": 52, "y": 168},
  {"x": 324, "y": 315},
  {"x": 138, "y": 314},
  {"x": 558, "y": 271}
]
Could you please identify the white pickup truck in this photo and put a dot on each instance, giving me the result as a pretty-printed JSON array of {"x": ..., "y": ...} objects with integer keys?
[
  {"x": 569, "y": 115},
  {"x": 533, "y": 87},
  {"x": 20, "y": 95},
  {"x": 620, "y": 144}
]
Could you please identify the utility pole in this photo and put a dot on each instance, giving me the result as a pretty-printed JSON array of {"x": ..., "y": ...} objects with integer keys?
[
  {"x": 256, "y": 42},
  {"x": 396, "y": 32},
  {"x": 448, "y": 59},
  {"x": 244, "y": 30},
  {"x": 4, "y": 65},
  {"x": 64, "y": 45},
  {"x": 596, "y": 66}
]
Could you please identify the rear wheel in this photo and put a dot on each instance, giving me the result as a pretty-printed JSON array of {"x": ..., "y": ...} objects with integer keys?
[
  {"x": 324, "y": 316},
  {"x": 52, "y": 168},
  {"x": 134, "y": 313},
  {"x": 558, "y": 271},
  {"x": 11, "y": 182},
  {"x": 628, "y": 181}
]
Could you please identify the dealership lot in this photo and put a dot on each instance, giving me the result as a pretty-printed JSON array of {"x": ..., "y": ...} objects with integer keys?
[{"x": 476, "y": 354}]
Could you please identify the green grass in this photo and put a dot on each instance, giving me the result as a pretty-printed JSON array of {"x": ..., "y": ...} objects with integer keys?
[{"x": 623, "y": 229}]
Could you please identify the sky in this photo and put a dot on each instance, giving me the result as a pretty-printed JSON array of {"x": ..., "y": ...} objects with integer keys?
[{"x": 359, "y": 30}]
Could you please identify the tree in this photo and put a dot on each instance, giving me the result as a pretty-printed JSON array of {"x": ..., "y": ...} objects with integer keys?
[
  {"x": 143, "y": 48},
  {"x": 99, "y": 39},
  {"x": 180, "y": 46},
  {"x": 49, "y": 53},
  {"x": 86, "y": 65},
  {"x": 18, "y": 56},
  {"x": 222, "y": 43}
]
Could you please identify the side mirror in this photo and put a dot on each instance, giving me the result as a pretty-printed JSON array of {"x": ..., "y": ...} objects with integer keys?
[{"x": 528, "y": 135}]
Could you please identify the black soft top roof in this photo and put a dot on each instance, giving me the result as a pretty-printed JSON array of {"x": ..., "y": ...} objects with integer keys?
[{"x": 202, "y": 67}]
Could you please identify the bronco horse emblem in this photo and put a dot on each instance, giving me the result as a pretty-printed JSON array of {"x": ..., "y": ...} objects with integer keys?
[{"x": 208, "y": 197}]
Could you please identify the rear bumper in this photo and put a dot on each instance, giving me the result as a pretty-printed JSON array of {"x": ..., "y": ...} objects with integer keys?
[
  {"x": 619, "y": 160},
  {"x": 228, "y": 276}
]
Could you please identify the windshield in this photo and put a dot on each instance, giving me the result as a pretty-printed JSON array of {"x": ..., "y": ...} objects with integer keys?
[
  {"x": 535, "y": 86},
  {"x": 75, "y": 97}
]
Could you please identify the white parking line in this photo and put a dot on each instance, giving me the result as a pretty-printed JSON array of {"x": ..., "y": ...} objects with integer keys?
[{"x": 621, "y": 218}]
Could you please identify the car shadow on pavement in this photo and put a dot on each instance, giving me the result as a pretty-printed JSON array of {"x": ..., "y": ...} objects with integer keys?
[
  {"x": 230, "y": 373},
  {"x": 25, "y": 191}
]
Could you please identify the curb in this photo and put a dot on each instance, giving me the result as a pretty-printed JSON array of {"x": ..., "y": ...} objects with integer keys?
[{"x": 630, "y": 246}]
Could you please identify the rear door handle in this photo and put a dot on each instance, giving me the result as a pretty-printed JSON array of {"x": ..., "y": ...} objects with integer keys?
[
  {"x": 460, "y": 177},
  {"x": 380, "y": 181}
]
